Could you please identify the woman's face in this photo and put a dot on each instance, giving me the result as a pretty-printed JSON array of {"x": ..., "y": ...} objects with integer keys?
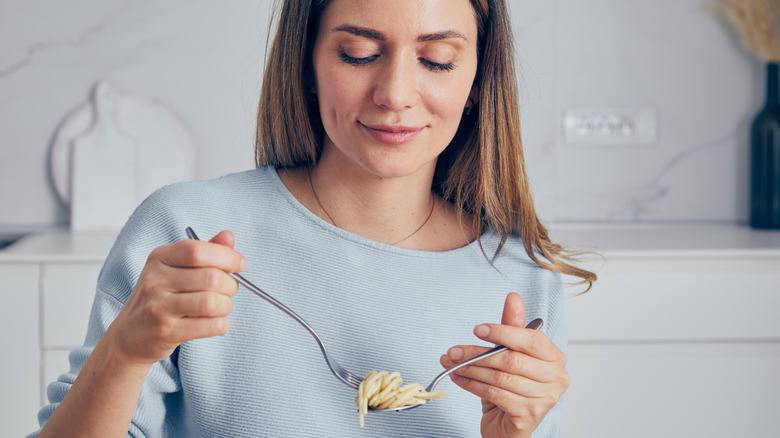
[{"x": 392, "y": 80}]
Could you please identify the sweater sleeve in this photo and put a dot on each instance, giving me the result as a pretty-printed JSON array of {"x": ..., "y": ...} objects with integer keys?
[{"x": 143, "y": 232}]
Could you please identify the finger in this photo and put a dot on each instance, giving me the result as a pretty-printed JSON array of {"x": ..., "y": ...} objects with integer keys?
[
  {"x": 514, "y": 310},
  {"x": 200, "y": 304},
  {"x": 196, "y": 328},
  {"x": 201, "y": 279},
  {"x": 511, "y": 403},
  {"x": 514, "y": 383},
  {"x": 529, "y": 341},
  {"x": 509, "y": 362},
  {"x": 225, "y": 238},
  {"x": 196, "y": 254}
]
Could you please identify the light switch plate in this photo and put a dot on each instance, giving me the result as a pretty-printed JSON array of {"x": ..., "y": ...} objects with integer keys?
[{"x": 610, "y": 126}]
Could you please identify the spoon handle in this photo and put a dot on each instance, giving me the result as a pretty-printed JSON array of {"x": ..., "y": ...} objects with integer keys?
[{"x": 535, "y": 325}]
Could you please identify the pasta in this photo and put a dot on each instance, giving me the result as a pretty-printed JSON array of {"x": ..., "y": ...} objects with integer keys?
[{"x": 383, "y": 390}]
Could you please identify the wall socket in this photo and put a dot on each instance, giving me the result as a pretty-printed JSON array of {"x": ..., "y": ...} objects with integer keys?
[{"x": 607, "y": 126}]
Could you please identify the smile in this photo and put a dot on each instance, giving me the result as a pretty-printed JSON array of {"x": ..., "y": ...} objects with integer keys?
[{"x": 392, "y": 135}]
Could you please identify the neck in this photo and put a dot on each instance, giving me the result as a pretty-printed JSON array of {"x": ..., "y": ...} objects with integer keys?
[{"x": 379, "y": 208}]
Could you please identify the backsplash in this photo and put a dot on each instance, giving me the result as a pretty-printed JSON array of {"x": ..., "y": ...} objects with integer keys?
[{"x": 204, "y": 59}]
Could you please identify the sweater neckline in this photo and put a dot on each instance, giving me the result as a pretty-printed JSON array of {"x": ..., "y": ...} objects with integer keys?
[{"x": 487, "y": 237}]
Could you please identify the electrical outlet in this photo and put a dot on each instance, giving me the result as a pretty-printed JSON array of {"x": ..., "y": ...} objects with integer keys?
[{"x": 592, "y": 126}]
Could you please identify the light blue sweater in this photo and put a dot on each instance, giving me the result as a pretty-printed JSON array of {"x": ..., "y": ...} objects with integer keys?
[{"x": 376, "y": 306}]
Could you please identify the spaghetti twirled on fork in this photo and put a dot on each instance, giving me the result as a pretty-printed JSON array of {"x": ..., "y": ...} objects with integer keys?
[{"x": 382, "y": 390}]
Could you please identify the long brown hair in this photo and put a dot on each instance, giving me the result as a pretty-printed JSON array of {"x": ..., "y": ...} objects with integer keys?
[{"x": 482, "y": 169}]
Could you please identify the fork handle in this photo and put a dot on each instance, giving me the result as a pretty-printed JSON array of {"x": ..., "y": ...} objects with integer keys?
[
  {"x": 535, "y": 325},
  {"x": 259, "y": 292}
]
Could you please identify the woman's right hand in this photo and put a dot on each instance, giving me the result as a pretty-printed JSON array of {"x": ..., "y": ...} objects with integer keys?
[{"x": 184, "y": 292}]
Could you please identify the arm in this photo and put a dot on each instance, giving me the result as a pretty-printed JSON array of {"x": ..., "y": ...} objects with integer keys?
[
  {"x": 102, "y": 400},
  {"x": 182, "y": 293}
]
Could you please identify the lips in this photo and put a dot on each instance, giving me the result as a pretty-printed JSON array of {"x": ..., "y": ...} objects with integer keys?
[{"x": 392, "y": 134}]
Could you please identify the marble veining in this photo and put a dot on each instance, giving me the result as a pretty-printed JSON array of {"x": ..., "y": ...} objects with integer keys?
[{"x": 204, "y": 59}]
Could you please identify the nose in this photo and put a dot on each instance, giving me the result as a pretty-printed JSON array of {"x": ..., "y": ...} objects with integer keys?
[{"x": 396, "y": 85}]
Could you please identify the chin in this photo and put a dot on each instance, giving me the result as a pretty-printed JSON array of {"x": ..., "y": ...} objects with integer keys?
[{"x": 396, "y": 169}]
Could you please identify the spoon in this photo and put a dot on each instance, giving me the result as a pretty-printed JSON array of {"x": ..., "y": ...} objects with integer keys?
[{"x": 536, "y": 324}]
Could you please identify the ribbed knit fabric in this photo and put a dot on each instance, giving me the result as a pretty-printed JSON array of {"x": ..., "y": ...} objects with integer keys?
[{"x": 377, "y": 307}]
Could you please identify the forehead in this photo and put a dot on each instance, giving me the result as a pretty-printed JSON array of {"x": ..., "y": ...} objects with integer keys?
[{"x": 401, "y": 19}]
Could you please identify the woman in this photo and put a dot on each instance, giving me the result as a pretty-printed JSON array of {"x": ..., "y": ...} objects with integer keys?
[{"x": 390, "y": 209}]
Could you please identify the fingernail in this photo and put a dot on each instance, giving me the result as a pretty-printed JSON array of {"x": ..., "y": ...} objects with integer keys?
[
  {"x": 242, "y": 267},
  {"x": 455, "y": 353},
  {"x": 481, "y": 331}
]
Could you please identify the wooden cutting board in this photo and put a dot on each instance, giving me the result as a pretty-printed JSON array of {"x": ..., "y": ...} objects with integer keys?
[{"x": 112, "y": 152}]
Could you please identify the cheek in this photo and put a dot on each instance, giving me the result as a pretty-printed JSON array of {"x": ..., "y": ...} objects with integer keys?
[
  {"x": 449, "y": 106},
  {"x": 338, "y": 95},
  {"x": 450, "y": 94}
]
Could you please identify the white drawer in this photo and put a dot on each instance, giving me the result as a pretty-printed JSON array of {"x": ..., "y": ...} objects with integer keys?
[
  {"x": 55, "y": 363},
  {"x": 680, "y": 390},
  {"x": 68, "y": 291},
  {"x": 19, "y": 371},
  {"x": 667, "y": 299}
]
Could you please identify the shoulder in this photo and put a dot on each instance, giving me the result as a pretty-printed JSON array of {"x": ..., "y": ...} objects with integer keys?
[
  {"x": 213, "y": 189},
  {"x": 511, "y": 252},
  {"x": 208, "y": 206},
  {"x": 513, "y": 262}
]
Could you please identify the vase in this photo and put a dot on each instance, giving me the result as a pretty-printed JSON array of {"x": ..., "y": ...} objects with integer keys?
[{"x": 765, "y": 157}]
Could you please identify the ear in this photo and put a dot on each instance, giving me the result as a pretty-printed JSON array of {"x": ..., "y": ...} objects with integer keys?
[
  {"x": 473, "y": 96},
  {"x": 473, "y": 99},
  {"x": 309, "y": 85}
]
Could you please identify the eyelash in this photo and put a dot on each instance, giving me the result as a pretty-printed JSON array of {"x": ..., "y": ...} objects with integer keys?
[{"x": 433, "y": 66}]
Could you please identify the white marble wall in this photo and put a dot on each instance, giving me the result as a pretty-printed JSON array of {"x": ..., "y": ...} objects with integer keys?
[{"x": 203, "y": 59}]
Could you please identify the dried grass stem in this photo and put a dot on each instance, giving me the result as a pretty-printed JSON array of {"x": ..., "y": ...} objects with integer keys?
[{"x": 758, "y": 24}]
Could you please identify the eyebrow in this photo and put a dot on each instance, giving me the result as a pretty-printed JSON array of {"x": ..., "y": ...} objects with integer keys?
[{"x": 376, "y": 35}]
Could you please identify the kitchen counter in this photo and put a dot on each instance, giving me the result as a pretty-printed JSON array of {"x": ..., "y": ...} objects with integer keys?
[
  {"x": 60, "y": 245},
  {"x": 622, "y": 242},
  {"x": 671, "y": 241},
  {"x": 675, "y": 309}
]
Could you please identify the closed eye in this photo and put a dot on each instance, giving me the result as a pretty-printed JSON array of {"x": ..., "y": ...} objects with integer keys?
[
  {"x": 430, "y": 65},
  {"x": 435, "y": 66},
  {"x": 357, "y": 61}
]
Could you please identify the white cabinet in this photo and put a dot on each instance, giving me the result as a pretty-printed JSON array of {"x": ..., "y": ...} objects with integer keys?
[
  {"x": 67, "y": 291},
  {"x": 677, "y": 343},
  {"x": 47, "y": 283},
  {"x": 667, "y": 389},
  {"x": 19, "y": 371}
]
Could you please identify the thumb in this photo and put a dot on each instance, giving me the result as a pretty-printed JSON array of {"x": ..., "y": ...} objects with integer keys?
[
  {"x": 225, "y": 237},
  {"x": 514, "y": 311}
]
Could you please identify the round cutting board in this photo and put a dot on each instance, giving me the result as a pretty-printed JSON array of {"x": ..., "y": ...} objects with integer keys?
[{"x": 164, "y": 148}]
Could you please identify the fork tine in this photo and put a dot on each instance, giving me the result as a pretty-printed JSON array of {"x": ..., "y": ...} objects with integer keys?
[{"x": 353, "y": 378}]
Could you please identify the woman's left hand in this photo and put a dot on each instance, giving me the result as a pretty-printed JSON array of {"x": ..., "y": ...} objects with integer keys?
[{"x": 517, "y": 387}]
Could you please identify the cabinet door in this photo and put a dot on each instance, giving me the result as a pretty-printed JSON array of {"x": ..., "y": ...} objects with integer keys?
[
  {"x": 68, "y": 293},
  {"x": 679, "y": 299},
  {"x": 675, "y": 347},
  {"x": 19, "y": 343},
  {"x": 672, "y": 390}
]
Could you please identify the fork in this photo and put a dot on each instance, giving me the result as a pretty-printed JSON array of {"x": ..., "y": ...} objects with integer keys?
[{"x": 349, "y": 379}]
